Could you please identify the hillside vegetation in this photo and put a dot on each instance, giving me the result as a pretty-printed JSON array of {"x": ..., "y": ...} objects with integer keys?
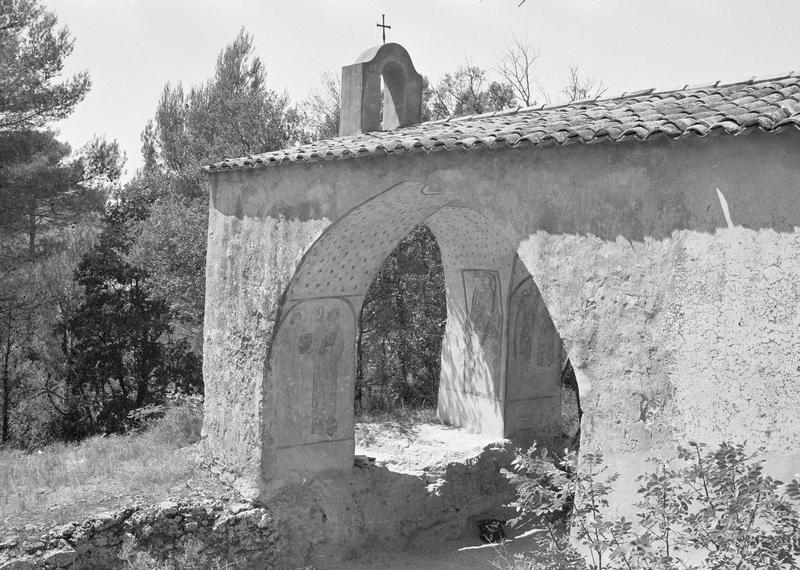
[{"x": 69, "y": 481}]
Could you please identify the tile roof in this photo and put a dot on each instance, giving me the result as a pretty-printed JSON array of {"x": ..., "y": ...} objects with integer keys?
[{"x": 771, "y": 105}]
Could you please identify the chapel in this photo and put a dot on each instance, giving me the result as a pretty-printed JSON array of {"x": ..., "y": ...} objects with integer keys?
[{"x": 651, "y": 238}]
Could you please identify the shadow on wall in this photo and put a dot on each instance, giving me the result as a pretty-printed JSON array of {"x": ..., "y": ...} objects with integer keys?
[
  {"x": 330, "y": 517},
  {"x": 649, "y": 190},
  {"x": 630, "y": 190},
  {"x": 571, "y": 411},
  {"x": 461, "y": 404}
]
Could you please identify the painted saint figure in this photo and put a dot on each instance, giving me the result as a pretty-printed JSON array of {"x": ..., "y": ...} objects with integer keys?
[
  {"x": 482, "y": 308},
  {"x": 304, "y": 336},
  {"x": 548, "y": 349},
  {"x": 326, "y": 373},
  {"x": 484, "y": 330},
  {"x": 535, "y": 339},
  {"x": 524, "y": 325}
]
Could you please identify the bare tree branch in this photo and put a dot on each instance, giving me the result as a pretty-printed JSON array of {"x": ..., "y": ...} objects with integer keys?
[
  {"x": 579, "y": 89},
  {"x": 517, "y": 67}
]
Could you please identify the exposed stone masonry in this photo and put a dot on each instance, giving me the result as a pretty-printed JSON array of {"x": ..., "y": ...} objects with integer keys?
[{"x": 238, "y": 531}]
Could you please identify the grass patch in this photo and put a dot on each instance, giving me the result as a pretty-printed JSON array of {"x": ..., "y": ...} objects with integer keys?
[{"x": 64, "y": 482}]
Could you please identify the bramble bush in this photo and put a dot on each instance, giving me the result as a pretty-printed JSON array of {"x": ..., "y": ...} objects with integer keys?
[
  {"x": 177, "y": 421},
  {"x": 713, "y": 507},
  {"x": 190, "y": 556}
]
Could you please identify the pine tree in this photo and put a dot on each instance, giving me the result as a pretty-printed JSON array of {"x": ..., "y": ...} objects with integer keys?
[{"x": 32, "y": 54}]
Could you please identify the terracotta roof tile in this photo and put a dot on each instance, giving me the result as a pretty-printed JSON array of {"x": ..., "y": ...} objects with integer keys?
[{"x": 771, "y": 105}]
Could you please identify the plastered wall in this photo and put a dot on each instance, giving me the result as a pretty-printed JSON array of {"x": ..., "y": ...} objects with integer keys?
[
  {"x": 679, "y": 321},
  {"x": 241, "y": 306}
]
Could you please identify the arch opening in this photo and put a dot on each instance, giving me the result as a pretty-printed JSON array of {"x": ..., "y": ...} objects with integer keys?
[
  {"x": 401, "y": 330},
  {"x": 500, "y": 365},
  {"x": 571, "y": 410},
  {"x": 393, "y": 95}
]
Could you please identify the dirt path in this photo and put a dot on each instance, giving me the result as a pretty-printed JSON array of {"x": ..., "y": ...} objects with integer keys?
[
  {"x": 418, "y": 448},
  {"x": 452, "y": 555}
]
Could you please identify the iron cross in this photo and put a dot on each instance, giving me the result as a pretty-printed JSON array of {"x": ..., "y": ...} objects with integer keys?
[{"x": 384, "y": 26}]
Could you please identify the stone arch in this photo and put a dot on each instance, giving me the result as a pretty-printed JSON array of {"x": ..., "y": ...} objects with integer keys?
[
  {"x": 311, "y": 380},
  {"x": 361, "y": 91}
]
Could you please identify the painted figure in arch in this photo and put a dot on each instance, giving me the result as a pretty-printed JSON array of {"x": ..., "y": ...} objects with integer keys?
[
  {"x": 524, "y": 324},
  {"x": 548, "y": 349},
  {"x": 326, "y": 372},
  {"x": 482, "y": 309},
  {"x": 303, "y": 335},
  {"x": 485, "y": 320},
  {"x": 534, "y": 336}
]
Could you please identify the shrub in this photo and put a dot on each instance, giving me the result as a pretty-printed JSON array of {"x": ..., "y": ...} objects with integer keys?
[
  {"x": 715, "y": 505},
  {"x": 179, "y": 426},
  {"x": 177, "y": 423}
]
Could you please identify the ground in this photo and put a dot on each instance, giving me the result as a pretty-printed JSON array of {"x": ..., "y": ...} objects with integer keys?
[
  {"x": 465, "y": 554},
  {"x": 417, "y": 448}
]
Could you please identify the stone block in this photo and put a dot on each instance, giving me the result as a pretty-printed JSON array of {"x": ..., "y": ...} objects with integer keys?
[{"x": 64, "y": 558}]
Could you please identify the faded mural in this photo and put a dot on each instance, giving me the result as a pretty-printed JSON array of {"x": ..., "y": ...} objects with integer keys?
[
  {"x": 484, "y": 324},
  {"x": 316, "y": 361},
  {"x": 533, "y": 336},
  {"x": 534, "y": 355},
  {"x": 326, "y": 358}
]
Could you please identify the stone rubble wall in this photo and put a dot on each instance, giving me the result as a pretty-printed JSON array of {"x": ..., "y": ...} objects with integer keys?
[{"x": 228, "y": 532}]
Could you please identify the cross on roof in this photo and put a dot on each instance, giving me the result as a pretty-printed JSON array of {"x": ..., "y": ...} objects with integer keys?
[{"x": 384, "y": 26}]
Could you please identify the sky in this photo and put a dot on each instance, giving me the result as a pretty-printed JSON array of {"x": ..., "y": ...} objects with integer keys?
[{"x": 132, "y": 48}]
